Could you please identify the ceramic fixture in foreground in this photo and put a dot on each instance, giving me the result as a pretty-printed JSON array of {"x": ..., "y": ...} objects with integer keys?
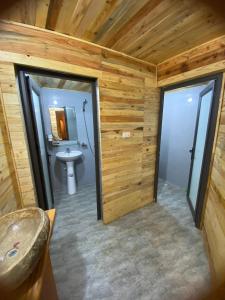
[
  {"x": 23, "y": 235},
  {"x": 69, "y": 158}
]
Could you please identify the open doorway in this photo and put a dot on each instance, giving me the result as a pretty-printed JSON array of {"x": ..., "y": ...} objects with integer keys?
[
  {"x": 187, "y": 127},
  {"x": 61, "y": 118}
]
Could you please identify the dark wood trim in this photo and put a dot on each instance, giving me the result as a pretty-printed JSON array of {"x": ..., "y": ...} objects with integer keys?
[
  {"x": 209, "y": 142},
  {"x": 31, "y": 132}
]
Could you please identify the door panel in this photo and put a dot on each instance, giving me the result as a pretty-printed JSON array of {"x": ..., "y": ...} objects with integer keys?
[
  {"x": 42, "y": 148},
  {"x": 199, "y": 145}
]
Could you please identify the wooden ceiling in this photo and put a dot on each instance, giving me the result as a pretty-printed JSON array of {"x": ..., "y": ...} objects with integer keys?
[
  {"x": 151, "y": 30},
  {"x": 58, "y": 83}
]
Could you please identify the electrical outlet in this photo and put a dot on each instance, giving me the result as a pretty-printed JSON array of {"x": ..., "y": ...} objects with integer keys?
[{"x": 125, "y": 134}]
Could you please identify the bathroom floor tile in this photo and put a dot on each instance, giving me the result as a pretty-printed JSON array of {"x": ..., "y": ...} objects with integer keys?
[{"x": 155, "y": 253}]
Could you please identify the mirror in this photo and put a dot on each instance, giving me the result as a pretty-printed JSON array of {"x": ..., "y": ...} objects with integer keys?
[{"x": 63, "y": 123}]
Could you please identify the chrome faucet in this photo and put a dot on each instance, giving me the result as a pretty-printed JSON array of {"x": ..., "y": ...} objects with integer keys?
[{"x": 67, "y": 150}]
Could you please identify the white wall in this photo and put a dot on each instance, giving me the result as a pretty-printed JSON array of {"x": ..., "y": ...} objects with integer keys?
[{"x": 178, "y": 126}]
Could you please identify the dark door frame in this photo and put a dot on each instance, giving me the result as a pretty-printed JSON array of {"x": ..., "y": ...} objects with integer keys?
[
  {"x": 31, "y": 133},
  {"x": 209, "y": 140},
  {"x": 31, "y": 86},
  {"x": 204, "y": 92}
]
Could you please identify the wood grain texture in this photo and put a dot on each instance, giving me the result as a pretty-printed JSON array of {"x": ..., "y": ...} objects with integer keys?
[
  {"x": 8, "y": 185},
  {"x": 57, "y": 83},
  {"x": 21, "y": 175},
  {"x": 143, "y": 29},
  {"x": 129, "y": 101},
  {"x": 207, "y": 58},
  {"x": 214, "y": 220}
]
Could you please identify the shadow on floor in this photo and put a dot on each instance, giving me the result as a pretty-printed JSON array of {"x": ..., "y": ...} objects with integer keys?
[
  {"x": 70, "y": 278},
  {"x": 154, "y": 253}
]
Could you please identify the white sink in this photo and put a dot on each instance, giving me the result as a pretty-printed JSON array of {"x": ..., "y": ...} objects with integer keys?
[{"x": 69, "y": 158}]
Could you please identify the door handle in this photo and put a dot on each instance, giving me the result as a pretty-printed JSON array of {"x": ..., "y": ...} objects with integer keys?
[{"x": 191, "y": 151}]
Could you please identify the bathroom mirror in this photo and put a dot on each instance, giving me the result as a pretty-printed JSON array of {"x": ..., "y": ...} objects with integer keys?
[{"x": 63, "y": 123}]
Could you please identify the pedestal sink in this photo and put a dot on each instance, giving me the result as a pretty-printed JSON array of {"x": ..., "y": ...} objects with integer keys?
[
  {"x": 23, "y": 234},
  {"x": 69, "y": 158}
]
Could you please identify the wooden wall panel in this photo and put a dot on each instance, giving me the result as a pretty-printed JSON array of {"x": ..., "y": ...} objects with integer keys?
[
  {"x": 153, "y": 30},
  {"x": 202, "y": 61},
  {"x": 214, "y": 221},
  {"x": 206, "y": 59},
  {"x": 15, "y": 129},
  {"x": 8, "y": 188},
  {"x": 129, "y": 101}
]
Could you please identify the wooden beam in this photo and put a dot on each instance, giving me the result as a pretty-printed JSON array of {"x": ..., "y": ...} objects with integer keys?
[
  {"x": 42, "y": 10},
  {"x": 53, "y": 13},
  {"x": 74, "y": 40}
]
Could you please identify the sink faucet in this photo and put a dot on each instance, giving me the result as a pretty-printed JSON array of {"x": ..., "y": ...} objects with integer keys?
[{"x": 67, "y": 150}]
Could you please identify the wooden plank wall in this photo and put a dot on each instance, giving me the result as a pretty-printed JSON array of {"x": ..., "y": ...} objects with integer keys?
[
  {"x": 8, "y": 192},
  {"x": 17, "y": 146},
  {"x": 204, "y": 60},
  {"x": 129, "y": 101},
  {"x": 152, "y": 30},
  {"x": 214, "y": 219}
]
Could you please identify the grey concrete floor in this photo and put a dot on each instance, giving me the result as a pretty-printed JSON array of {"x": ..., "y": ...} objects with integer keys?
[{"x": 155, "y": 253}]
